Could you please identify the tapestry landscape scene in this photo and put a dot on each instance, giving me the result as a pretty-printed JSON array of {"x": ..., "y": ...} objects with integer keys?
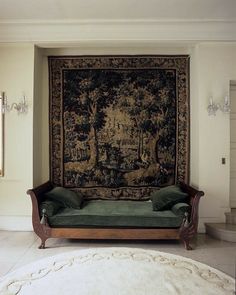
[{"x": 119, "y": 127}]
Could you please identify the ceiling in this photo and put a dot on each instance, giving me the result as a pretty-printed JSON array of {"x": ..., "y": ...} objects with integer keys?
[
  {"x": 55, "y": 10},
  {"x": 67, "y": 22}
]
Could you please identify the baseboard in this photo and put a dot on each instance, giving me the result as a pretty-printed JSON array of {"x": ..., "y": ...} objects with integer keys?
[
  {"x": 16, "y": 223},
  {"x": 203, "y": 220},
  {"x": 233, "y": 203},
  {"x": 201, "y": 229}
]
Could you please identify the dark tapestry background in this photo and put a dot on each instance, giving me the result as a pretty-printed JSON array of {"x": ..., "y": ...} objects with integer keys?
[{"x": 119, "y": 125}]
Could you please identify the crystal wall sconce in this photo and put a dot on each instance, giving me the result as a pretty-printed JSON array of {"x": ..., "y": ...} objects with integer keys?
[
  {"x": 21, "y": 107},
  {"x": 213, "y": 107}
]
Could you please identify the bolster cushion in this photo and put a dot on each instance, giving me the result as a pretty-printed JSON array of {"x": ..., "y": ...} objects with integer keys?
[
  {"x": 51, "y": 207},
  {"x": 167, "y": 197},
  {"x": 181, "y": 208},
  {"x": 66, "y": 197}
]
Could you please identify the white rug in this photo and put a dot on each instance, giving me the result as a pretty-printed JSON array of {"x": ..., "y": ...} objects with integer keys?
[{"x": 116, "y": 271}]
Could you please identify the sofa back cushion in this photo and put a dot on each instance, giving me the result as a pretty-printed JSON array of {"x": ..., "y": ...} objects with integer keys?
[
  {"x": 66, "y": 197},
  {"x": 167, "y": 197}
]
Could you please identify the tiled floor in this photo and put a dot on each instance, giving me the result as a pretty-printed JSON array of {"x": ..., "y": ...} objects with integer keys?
[{"x": 20, "y": 248}]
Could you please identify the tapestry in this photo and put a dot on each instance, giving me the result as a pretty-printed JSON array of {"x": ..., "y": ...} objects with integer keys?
[{"x": 119, "y": 125}]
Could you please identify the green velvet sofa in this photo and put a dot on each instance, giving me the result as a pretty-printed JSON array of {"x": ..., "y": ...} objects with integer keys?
[{"x": 117, "y": 219}]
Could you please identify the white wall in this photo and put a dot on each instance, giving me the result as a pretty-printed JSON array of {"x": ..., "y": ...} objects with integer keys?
[
  {"x": 16, "y": 77},
  {"x": 216, "y": 67},
  {"x": 212, "y": 66},
  {"x": 233, "y": 144},
  {"x": 37, "y": 119}
]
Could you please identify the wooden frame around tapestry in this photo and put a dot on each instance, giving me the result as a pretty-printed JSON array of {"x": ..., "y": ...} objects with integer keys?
[{"x": 119, "y": 125}]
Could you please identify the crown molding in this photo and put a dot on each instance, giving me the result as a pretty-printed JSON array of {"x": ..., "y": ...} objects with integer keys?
[
  {"x": 113, "y": 21},
  {"x": 39, "y": 31}
]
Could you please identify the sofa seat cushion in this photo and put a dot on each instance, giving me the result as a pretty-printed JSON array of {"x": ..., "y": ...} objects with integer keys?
[{"x": 103, "y": 213}]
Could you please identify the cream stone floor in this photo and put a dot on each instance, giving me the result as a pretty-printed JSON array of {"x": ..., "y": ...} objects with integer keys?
[{"x": 20, "y": 248}]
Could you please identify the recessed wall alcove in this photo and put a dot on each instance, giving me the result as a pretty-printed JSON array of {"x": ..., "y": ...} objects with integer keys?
[
  {"x": 41, "y": 90},
  {"x": 209, "y": 137}
]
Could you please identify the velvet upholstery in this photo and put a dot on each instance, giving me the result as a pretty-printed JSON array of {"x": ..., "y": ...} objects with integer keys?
[
  {"x": 116, "y": 214},
  {"x": 51, "y": 207},
  {"x": 166, "y": 197},
  {"x": 66, "y": 197},
  {"x": 181, "y": 208}
]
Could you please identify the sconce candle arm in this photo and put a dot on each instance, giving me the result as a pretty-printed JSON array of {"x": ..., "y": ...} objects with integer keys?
[
  {"x": 21, "y": 107},
  {"x": 212, "y": 108}
]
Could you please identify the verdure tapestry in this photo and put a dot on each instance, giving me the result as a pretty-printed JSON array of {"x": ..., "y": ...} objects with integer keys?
[{"x": 119, "y": 125}]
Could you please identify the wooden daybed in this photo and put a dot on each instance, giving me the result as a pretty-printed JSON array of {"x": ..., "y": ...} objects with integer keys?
[{"x": 184, "y": 232}]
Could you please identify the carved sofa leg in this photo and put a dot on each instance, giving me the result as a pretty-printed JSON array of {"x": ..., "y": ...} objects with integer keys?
[
  {"x": 186, "y": 241},
  {"x": 187, "y": 245},
  {"x": 186, "y": 232},
  {"x": 42, "y": 245},
  {"x": 43, "y": 237},
  {"x": 43, "y": 230}
]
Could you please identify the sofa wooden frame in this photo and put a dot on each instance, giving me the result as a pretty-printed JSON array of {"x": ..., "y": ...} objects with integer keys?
[{"x": 185, "y": 232}]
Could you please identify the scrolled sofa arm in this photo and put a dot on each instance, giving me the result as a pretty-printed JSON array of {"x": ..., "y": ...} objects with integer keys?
[
  {"x": 189, "y": 226},
  {"x": 37, "y": 197}
]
